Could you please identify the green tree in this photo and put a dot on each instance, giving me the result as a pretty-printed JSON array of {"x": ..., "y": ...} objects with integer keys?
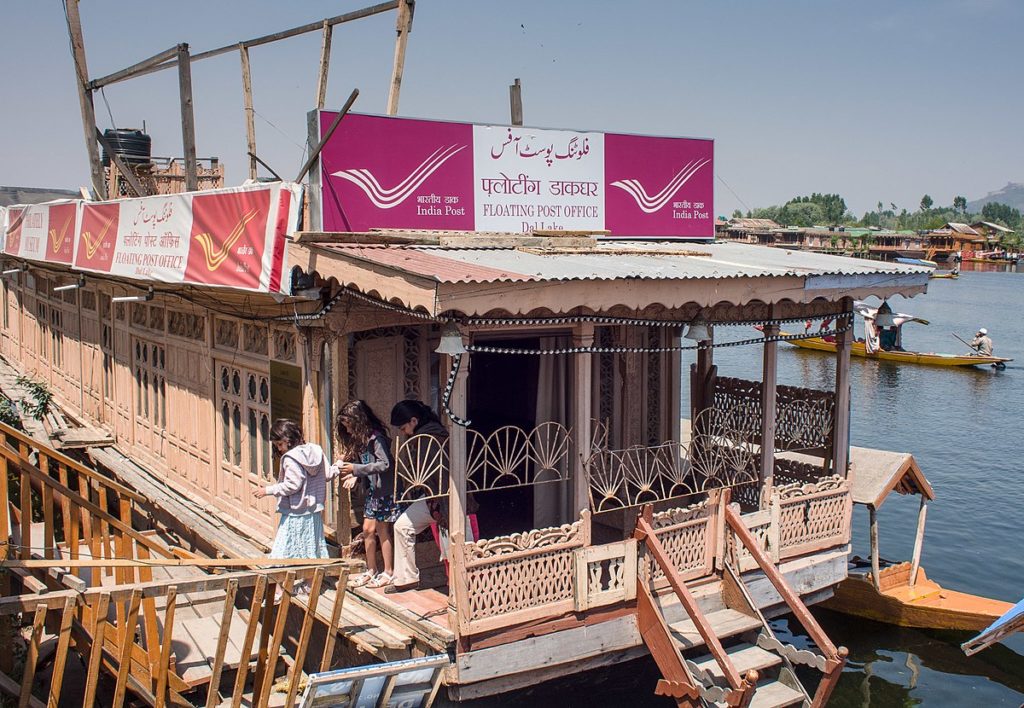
[
  {"x": 1001, "y": 214},
  {"x": 737, "y": 214},
  {"x": 801, "y": 214},
  {"x": 926, "y": 203},
  {"x": 960, "y": 204}
]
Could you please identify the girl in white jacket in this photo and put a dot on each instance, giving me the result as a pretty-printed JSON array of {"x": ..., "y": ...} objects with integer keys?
[{"x": 300, "y": 490}]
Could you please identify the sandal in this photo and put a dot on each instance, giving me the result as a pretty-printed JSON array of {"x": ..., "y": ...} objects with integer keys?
[
  {"x": 361, "y": 579},
  {"x": 380, "y": 581}
]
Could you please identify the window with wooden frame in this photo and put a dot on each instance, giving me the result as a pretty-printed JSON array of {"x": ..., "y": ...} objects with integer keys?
[
  {"x": 150, "y": 382},
  {"x": 56, "y": 337},
  {"x": 244, "y": 407}
]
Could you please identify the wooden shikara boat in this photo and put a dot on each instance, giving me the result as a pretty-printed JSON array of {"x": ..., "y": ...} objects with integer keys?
[
  {"x": 901, "y": 593},
  {"x": 929, "y": 358},
  {"x": 925, "y": 605}
]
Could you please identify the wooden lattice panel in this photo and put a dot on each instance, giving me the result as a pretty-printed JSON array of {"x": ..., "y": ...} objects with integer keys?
[
  {"x": 804, "y": 420},
  {"x": 687, "y": 535},
  {"x": 520, "y": 577},
  {"x": 813, "y": 516}
]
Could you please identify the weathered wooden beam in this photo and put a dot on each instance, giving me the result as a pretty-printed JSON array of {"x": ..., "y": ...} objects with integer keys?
[
  {"x": 315, "y": 154},
  {"x": 260, "y": 562},
  {"x": 266, "y": 39},
  {"x": 74, "y": 21},
  {"x": 250, "y": 635},
  {"x": 325, "y": 65},
  {"x": 165, "y": 647},
  {"x": 582, "y": 372},
  {"x": 127, "y": 640},
  {"x": 768, "y": 400},
  {"x": 188, "y": 124},
  {"x": 213, "y": 693},
  {"x": 403, "y": 26},
  {"x": 915, "y": 562},
  {"x": 250, "y": 112},
  {"x": 841, "y": 433},
  {"x": 515, "y": 99},
  {"x": 167, "y": 55},
  {"x": 60, "y": 656},
  {"x": 307, "y": 628}
]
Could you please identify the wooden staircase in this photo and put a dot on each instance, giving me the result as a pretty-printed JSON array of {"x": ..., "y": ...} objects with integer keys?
[{"x": 724, "y": 652}]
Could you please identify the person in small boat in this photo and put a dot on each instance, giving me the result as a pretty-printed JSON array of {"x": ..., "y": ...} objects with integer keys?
[
  {"x": 982, "y": 343},
  {"x": 889, "y": 338},
  {"x": 415, "y": 418},
  {"x": 363, "y": 438}
]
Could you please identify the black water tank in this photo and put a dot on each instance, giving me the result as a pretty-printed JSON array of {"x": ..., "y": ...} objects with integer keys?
[{"x": 130, "y": 144}]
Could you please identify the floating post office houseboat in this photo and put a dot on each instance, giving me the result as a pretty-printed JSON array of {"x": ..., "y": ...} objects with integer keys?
[
  {"x": 604, "y": 531},
  {"x": 609, "y": 518}
]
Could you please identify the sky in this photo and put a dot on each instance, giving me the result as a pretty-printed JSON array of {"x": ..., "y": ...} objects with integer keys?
[{"x": 874, "y": 100}]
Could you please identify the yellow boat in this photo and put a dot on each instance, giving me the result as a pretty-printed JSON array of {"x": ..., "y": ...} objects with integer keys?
[{"x": 929, "y": 358}]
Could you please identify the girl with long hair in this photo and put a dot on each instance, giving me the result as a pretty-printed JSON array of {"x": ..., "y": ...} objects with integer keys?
[{"x": 366, "y": 457}]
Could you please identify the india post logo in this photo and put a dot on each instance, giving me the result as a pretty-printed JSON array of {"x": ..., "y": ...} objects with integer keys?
[
  {"x": 97, "y": 237},
  {"x": 229, "y": 232},
  {"x": 60, "y": 242}
]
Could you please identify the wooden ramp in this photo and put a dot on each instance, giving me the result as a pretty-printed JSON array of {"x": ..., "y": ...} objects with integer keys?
[{"x": 134, "y": 606}]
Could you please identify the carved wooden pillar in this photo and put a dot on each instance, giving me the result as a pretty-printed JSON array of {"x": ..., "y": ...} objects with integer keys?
[
  {"x": 768, "y": 391},
  {"x": 675, "y": 362},
  {"x": 841, "y": 432},
  {"x": 700, "y": 376},
  {"x": 582, "y": 389},
  {"x": 458, "y": 452},
  {"x": 633, "y": 384}
]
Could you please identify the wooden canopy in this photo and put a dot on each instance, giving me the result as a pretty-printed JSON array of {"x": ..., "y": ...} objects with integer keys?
[{"x": 876, "y": 473}]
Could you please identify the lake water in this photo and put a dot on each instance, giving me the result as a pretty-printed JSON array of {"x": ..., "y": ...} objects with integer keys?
[{"x": 964, "y": 427}]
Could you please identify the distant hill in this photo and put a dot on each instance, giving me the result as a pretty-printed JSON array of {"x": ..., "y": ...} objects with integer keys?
[
  {"x": 1011, "y": 195},
  {"x": 33, "y": 195}
]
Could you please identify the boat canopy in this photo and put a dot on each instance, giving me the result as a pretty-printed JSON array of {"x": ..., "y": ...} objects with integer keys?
[
  {"x": 1012, "y": 621},
  {"x": 872, "y": 335},
  {"x": 874, "y": 474}
]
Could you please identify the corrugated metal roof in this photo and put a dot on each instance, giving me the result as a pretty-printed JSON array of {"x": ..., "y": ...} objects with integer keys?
[
  {"x": 962, "y": 228},
  {"x": 436, "y": 265},
  {"x": 611, "y": 260},
  {"x": 754, "y": 224}
]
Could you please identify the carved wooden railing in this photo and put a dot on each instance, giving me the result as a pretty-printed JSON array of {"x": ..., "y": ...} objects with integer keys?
[
  {"x": 517, "y": 578},
  {"x": 835, "y": 657},
  {"x": 508, "y": 457},
  {"x": 719, "y": 454},
  {"x": 801, "y": 518},
  {"x": 812, "y": 516},
  {"x": 688, "y": 537},
  {"x": 804, "y": 417}
]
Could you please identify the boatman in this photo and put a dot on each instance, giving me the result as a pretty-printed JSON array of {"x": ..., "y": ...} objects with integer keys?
[{"x": 982, "y": 342}]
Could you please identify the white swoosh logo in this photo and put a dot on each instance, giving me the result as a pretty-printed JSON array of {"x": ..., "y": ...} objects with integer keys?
[
  {"x": 389, "y": 198},
  {"x": 649, "y": 204}
]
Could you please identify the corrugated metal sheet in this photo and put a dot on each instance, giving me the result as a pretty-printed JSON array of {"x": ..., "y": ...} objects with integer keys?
[
  {"x": 436, "y": 265},
  {"x": 614, "y": 261}
]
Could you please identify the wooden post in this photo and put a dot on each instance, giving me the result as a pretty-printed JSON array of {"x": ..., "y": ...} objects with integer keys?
[
  {"x": 459, "y": 454},
  {"x": 634, "y": 385},
  {"x": 213, "y": 692},
  {"x": 325, "y": 65},
  {"x": 99, "y": 184},
  {"x": 582, "y": 410},
  {"x": 675, "y": 372},
  {"x": 915, "y": 563},
  {"x": 127, "y": 639},
  {"x": 841, "y": 433},
  {"x": 60, "y": 656},
  {"x": 768, "y": 398},
  {"x": 705, "y": 362},
  {"x": 403, "y": 26},
  {"x": 250, "y": 115},
  {"x": 873, "y": 514},
  {"x": 164, "y": 666},
  {"x": 188, "y": 125},
  {"x": 515, "y": 98}
]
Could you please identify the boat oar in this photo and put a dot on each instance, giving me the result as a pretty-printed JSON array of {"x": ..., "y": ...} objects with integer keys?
[{"x": 966, "y": 343}]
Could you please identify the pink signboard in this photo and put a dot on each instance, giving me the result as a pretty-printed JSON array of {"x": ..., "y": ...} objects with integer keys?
[
  {"x": 228, "y": 237},
  {"x": 401, "y": 173}
]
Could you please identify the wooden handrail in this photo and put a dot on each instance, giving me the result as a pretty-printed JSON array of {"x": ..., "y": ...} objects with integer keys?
[
  {"x": 792, "y": 600},
  {"x": 77, "y": 466},
  {"x": 45, "y": 479},
  {"x": 645, "y": 533}
]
